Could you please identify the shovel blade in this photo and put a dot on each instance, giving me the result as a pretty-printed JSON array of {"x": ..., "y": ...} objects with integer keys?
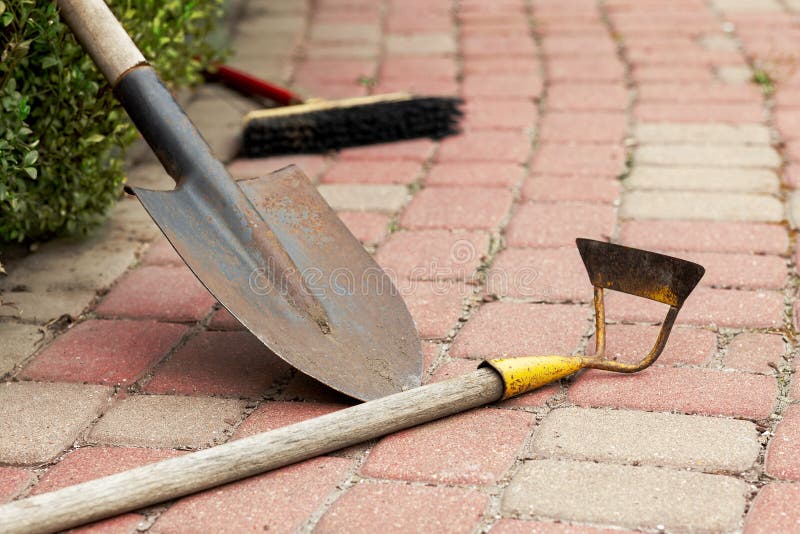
[{"x": 366, "y": 347}]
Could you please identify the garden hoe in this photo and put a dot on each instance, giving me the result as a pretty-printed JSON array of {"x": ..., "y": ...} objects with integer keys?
[
  {"x": 645, "y": 274},
  {"x": 269, "y": 249}
]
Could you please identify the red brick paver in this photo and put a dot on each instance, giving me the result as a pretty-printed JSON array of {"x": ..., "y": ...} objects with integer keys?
[
  {"x": 517, "y": 526},
  {"x": 755, "y": 352},
  {"x": 470, "y": 208},
  {"x": 272, "y": 415},
  {"x": 89, "y": 463},
  {"x": 13, "y": 481},
  {"x": 630, "y": 343},
  {"x": 367, "y": 227},
  {"x": 220, "y": 363},
  {"x": 223, "y": 320},
  {"x": 415, "y": 150},
  {"x": 494, "y": 114},
  {"x": 278, "y": 501},
  {"x": 544, "y": 275},
  {"x": 686, "y": 390},
  {"x": 475, "y": 174},
  {"x": 433, "y": 254},
  {"x": 775, "y": 509},
  {"x": 705, "y": 236},
  {"x": 572, "y": 159},
  {"x": 590, "y": 127},
  {"x": 372, "y": 172},
  {"x": 782, "y": 453},
  {"x": 161, "y": 253},
  {"x": 500, "y": 146},
  {"x": 558, "y": 188},
  {"x": 155, "y": 292},
  {"x": 453, "y": 450},
  {"x": 393, "y": 508},
  {"x": 435, "y": 306},
  {"x": 745, "y": 271},
  {"x": 505, "y": 329},
  {"x": 105, "y": 352},
  {"x": 557, "y": 225},
  {"x": 722, "y": 307}
]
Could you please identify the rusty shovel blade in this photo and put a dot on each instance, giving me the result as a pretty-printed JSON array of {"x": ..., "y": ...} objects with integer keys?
[{"x": 278, "y": 258}]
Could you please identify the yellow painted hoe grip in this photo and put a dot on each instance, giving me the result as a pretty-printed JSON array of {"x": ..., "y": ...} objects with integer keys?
[{"x": 527, "y": 373}]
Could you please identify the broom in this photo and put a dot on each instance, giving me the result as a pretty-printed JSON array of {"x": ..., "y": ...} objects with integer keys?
[{"x": 299, "y": 126}]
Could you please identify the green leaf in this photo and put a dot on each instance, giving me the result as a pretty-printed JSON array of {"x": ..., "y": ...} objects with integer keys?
[
  {"x": 49, "y": 61},
  {"x": 31, "y": 171},
  {"x": 95, "y": 138},
  {"x": 30, "y": 158}
]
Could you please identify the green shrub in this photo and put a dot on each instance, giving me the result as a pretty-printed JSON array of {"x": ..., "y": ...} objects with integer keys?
[{"x": 62, "y": 134}]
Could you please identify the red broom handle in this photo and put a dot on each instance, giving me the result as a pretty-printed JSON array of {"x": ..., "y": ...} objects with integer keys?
[{"x": 251, "y": 85}]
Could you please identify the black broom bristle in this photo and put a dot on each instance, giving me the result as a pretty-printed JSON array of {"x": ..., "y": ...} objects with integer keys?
[{"x": 340, "y": 127}]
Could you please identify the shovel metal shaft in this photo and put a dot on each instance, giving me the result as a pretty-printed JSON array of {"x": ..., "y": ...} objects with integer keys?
[{"x": 176, "y": 477}]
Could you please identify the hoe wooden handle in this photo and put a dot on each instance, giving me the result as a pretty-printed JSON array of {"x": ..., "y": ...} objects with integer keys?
[
  {"x": 101, "y": 34},
  {"x": 169, "y": 479}
]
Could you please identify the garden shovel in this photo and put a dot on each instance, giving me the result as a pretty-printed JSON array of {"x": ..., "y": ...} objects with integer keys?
[{"x": 270, "y": 249}]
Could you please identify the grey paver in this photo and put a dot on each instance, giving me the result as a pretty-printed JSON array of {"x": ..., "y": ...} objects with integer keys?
[
  {"x": 167, "y": 421},
  {"x": 217, "y": 112},
  {"x": 270, "y": 23},
  {"x": 734, "y": 74},
  {"x": 702, "y": 443},
  {"x": 19, "y": 342},
  {"x": 703, "y": 133},
  {"x": 700, "y": 205},
  {"x": 69, "y": 264},
  {"x": 718, "y": 42},
  {"x": 708, "y": 155},
  {"x": 39, "y": 420},
  {"x": 364, "y": 197},
  {"x": 794, "y": 209},
  {"x": 128, "y": 218},
  {"x": 274, "y": 69},
  {"x": 638, "y": 497},
  {"x": 273, "y": 7},
  {"x": 739, "y": 6},
  {"x": 345, "y": 51},
  {"x": 270, "y": 47},
  {"x": 703, "y": 179},
  {"x": 139, "y": 153},
  {"x": 40, "y": 306},
  {"x": 420, "y": 43},
  {"x": 343, "y": 32},
  {"x": 150, "y": 175}
]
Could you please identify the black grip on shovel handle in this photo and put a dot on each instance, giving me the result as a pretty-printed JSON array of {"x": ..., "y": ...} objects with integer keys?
[{"x": 173, "y": 138}]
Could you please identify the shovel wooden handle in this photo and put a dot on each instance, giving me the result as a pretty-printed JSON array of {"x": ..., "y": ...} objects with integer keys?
[
  {"x": 169, "y": 479},
  {"x": 100, "y": 34}
]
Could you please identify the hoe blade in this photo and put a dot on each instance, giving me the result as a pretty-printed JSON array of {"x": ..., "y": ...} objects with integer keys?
[
  {"x": 350, "y": 329},
  {"x": 639, "y": 272}
]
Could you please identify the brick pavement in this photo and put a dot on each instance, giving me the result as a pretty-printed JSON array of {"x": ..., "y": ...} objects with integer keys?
[{"x": 630, "y": 120}]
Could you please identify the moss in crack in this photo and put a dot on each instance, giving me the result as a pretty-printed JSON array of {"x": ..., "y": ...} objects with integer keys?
[{"x": 763, "y": 79}]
